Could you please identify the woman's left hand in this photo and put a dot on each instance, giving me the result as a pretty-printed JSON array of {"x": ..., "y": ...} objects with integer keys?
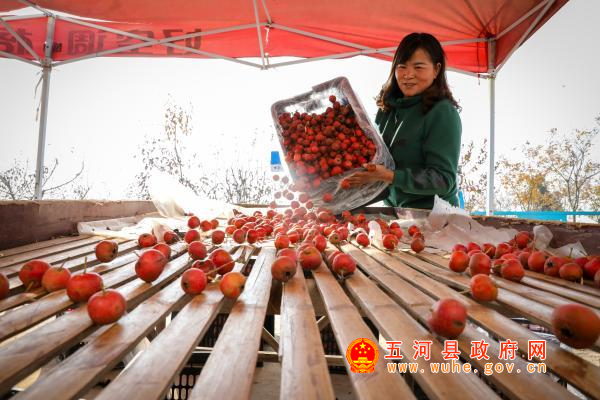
[{"x": 373, "y": 173}]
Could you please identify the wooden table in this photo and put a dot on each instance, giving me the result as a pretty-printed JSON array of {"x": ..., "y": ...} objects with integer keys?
[{"x": 395, "y": 290}]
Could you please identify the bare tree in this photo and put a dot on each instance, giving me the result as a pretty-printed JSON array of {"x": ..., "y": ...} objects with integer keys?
[
  {"x": 18, "y": 183},
  {"x": 569, "y": 159},
  {"x": 472, "y": 175},
  {"x": 167, "y": 153},
  {"x": 245, "y": 186},
  {"x": 560, "y": 174}
]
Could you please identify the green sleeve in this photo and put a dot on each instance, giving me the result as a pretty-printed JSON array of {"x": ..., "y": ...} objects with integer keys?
[{"x": 441, "y": 150}]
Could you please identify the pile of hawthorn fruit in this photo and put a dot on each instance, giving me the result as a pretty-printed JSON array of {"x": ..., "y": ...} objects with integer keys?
[
  {"x": 320, "y": 146},
  {"x": 305, "y": 238}
]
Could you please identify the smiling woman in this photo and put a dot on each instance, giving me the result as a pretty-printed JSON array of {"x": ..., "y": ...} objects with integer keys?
[{"x": 418, "y": 119}]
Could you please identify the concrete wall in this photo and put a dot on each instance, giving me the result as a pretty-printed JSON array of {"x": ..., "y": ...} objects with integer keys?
[{"x": 24, "y": 222}]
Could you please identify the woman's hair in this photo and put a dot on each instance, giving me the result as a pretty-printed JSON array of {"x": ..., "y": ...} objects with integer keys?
[{"x": 438, "y": 90}]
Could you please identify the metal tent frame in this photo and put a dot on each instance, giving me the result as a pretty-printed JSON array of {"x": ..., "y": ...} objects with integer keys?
[{"x": 47, "y": 64}]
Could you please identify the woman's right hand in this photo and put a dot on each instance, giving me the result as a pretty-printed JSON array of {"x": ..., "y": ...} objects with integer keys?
[{"x": 372, "y": 173}]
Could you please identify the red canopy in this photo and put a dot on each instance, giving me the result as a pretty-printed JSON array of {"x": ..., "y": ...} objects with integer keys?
[{"x": 469, "y": 29}]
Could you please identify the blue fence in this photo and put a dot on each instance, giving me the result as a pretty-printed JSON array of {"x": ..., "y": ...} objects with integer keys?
[{"x": 540, "y": 215}]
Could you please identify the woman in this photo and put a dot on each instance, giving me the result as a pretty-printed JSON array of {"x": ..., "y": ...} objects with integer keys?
[{"x": 419, "y": 123}]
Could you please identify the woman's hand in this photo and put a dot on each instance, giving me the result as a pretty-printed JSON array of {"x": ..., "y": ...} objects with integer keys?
[{"x": 372, "y": 173}]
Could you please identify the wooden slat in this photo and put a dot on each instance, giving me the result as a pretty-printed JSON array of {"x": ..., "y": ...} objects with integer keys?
[
  {"x": 580, "y": 373},
  {"x": 78, "y": 264},
  {"x": 348, "y": 325},
  {"x": 551, "y": 295},
  {"x": 17, "y": 360},
  {"x": 535, "y": 305},
  {"x": 19, "y": 319},
  {"x": 45, "y": 253},
  {"x": 418, "y": 304},
  {"x": 550, "y": 299},
  {"x": 40, "y": 245},
  {"x": 592, "y": 291},
  {"x": 25, "y": 297},
  {"x": 236, "y": 350},
  {"x": 141, "y": 380},
  {"x": 59, "y": 258},
  {"x": 396, "y": 324},
  {"x": 304, "y": 373},
  {"x": 568, "y": 293},
  {"x": 73, "y": 377}
]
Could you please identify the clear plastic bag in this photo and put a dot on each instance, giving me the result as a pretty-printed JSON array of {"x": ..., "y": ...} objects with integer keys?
[
  {"x": 448, "y": 225},
  {"x": 317, "y": 101}
]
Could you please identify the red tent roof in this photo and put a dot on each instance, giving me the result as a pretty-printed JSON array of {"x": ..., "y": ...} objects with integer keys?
[{"x": 307, "y": 28}]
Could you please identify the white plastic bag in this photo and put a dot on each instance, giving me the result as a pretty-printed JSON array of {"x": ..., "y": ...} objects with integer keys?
[{"x": 448, "y": 225}]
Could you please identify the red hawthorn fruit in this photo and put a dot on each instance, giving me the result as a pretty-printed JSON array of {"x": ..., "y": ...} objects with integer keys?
[
  {"x": 283, "y": 268},
  {"x": 479, "y": 264},
  {"x": 522, "y": 239},
  {"x": 413, "y": 229},
  {"x": 448, "y": 318},
  {"x": 570, "y": 272},
  {"x": 207, "y": 267},
  {"x": 106, "y": 306},
  {"x": 363, "y": 240},
  {"x": 576, "y": 325},
  {"x": 106, "y": 250},
  {"x": 343, "y": 264},
  {"x": 170, "y": 237},
  {"x": 193, "y": 281},
  {"x": 303, "y": 198},
  {"x": 206, "y": 226},
  {"x": 417, "y": 245},
  {"x": 147, "y": 240},
  {"x": 460, "y": 247},
  {"x": 592, "y": 267},
  {"x": 310, "y": 258},
  {"x": 473, "y": 246},
  {"x": 389, "y": 241},
  {"x": 222, "y": 260},
  {"x": 536, "y": 261},
  {"x": 193, "y": 222},
  {"x": 483, "y": 288},
  {"x": 197, "y": 250},
  {"x": 150, "y": 265},
  {"x": 191, "y": 235},
  {"x": 31, "y": 273},
  {"x": 459, "y": 261},
  {"x": 217, "y": 236},
  {"x": 512, "y": 270},
  {"x": 488, "y": 249},
  {"x": 552, "y": 265},
  {"x": 4, "y": 286},
  {"x": 163, "y": 248}
]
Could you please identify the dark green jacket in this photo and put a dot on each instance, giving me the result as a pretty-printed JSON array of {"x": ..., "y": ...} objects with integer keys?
[{"x": 425, "y": 149}]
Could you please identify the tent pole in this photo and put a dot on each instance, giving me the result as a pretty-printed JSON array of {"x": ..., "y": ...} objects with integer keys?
[
  {"x": 492, "y": 148},
  {"x": 491, "y": 47},
  {"x": 46, "y": 71}
]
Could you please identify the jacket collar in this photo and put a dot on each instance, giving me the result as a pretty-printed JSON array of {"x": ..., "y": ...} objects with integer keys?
[{"x": 404, "y": 102}]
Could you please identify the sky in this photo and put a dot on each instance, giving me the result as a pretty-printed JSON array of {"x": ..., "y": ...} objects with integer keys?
[{"x": 100, "y": 109}]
